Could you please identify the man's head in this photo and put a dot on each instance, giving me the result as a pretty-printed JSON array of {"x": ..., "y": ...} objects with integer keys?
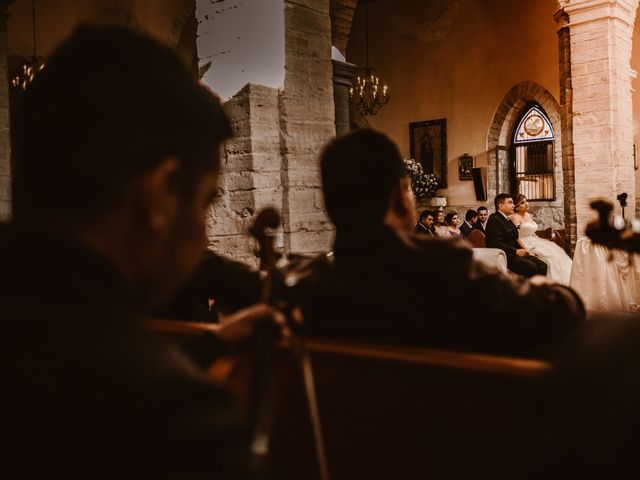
[
  {"x": 504, "y": 203},
  {"x": 426, "y": 218},
  {"x": 483, "y": 213},
  {"x": 471, "y": 216},
  {"x": 115, "y": 135},
  {"x": 365, "y": 183}
]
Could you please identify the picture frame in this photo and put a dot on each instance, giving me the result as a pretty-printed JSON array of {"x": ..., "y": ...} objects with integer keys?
[
  {"x": 428, "y": 146},
  {"x": 465, "y": 165}
]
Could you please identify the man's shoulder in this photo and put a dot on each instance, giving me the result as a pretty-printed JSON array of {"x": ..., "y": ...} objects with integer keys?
[{"x": 495, "y": 218}]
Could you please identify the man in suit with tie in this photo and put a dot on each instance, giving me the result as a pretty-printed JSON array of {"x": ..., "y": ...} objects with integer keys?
[
  {"x": 470, "y": 219},
  {"x": 481, "y": 223},
  {"x": 425, "y": 224},
  {"x": 503, "y": 234}
]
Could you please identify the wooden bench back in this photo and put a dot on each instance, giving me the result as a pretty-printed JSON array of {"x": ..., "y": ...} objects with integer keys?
[
  {"x": 396, "y": 412},
  {"x": 477, "y": 238}
]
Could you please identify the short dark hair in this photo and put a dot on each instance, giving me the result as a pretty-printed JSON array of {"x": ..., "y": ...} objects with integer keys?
[
  {"x": 425, "y": 214},
  {"x": 482, "y": 208},
  {"x": 470, "y": 214},
  {"x": 109, "y": 106},
  {"x": 359, "y": 172},
  {"x": 500, "y": 198}
]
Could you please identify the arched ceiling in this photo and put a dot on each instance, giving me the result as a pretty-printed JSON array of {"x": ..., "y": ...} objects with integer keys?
[{"x": 341, "y": 17}]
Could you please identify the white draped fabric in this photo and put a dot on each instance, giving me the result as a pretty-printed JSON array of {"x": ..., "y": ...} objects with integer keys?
[
  {"x": 492, "y": 257},
  {"x": 607, "y": 280},
  {"x": 557, "y": 260}
]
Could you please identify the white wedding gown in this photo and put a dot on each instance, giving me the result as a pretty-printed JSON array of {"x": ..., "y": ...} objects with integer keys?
[{"x": 557, "y": 260}]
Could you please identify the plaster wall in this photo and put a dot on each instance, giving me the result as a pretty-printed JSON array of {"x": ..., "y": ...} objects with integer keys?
[{"x": 455, "y": 60}]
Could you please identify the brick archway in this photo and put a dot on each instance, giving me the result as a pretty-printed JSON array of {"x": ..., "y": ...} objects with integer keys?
[{"x": 548, "y": 213}]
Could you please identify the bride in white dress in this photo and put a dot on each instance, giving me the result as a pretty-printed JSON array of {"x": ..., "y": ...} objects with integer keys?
[{"x": 557, "y": 260}]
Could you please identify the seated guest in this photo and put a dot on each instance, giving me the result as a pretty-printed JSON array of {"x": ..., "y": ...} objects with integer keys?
[
  {"x": 440, "y": 225},
  {"x": 503, "y": 234},
  {"x": 483, "y": 216},
  {"x": 451, "y": 220},
  {"x": 381, "y": 275},
  {"x": 425, "y": 223},
  {"x": 124, "y": 165},
  {"x": 470, "y": 219}
]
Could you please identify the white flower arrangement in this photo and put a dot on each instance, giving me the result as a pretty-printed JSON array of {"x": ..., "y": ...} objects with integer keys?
[{"x": 424, "y": 185}]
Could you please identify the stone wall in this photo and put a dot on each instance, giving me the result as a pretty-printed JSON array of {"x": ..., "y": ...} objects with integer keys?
[
  {"x": 251, "y": 172},
  {"x": 272, "y": 159},
  {"x": 307, "y": 122},
  {"x": 566, "y": 121},
  {"x": 5, "y": 144}
]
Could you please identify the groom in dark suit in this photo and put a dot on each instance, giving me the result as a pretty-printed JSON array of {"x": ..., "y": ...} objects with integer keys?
[{"x": 503, "y": 234}]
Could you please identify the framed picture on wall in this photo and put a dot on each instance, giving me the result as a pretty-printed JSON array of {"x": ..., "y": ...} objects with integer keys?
[
  {"x": 465, "y": 165},
  {"x": 428, "y": 145}
]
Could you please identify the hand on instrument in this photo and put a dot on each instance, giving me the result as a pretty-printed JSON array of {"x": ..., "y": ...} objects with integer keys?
[{"x": 239, "y": 331}]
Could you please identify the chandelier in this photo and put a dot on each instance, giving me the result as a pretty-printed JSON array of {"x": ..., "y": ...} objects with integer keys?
[
  {"x": 24, "y": 75},
  {"x": 366, "y": 94}
]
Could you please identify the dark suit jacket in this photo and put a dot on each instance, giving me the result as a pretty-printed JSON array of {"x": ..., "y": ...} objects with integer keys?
[
  {"x": 87, "y": 391},
  {"x": 422, "y": 229},
  {"x": 233, "y": 285},
  {"x": 502, "y": 233},
  {"x": 397, "y": 288},
  {"x": 479, "y": 226},
  {"x": 465, "y": 228}
]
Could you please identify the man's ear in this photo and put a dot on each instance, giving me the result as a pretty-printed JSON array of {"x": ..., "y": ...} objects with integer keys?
[
  {"x": 405, "y": 202},
  {"x": 159, "y": 202}
]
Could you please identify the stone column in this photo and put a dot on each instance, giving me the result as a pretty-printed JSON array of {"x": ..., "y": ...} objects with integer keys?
[
  {"x": 5, "y": 142},
  {"x": 307, "y": 122},
  {"x": 566, "y": 122},
  {"x": 343, "y": 73},
  {"x": 600, "y": 53}
]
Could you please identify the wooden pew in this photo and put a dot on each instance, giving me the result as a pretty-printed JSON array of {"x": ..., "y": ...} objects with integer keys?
[{"x": 392, "y": 412}]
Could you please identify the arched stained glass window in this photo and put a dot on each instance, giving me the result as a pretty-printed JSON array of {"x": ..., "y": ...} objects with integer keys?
[{"x": 532, "y": 156}]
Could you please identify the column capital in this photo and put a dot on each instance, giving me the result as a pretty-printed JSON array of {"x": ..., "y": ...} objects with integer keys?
[
  {"x": 562, "y": 18},
  {"x": 585, "y": 11},
  {"x": 343, "y": 72}
]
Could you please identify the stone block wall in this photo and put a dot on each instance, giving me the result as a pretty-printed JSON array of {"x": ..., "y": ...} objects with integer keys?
[
  {"x": 5, "y": 144},
  {"x": 251, "y": 172},
  {"x": 273, "y": 158},
  {"x": 307, "y": 122}
]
